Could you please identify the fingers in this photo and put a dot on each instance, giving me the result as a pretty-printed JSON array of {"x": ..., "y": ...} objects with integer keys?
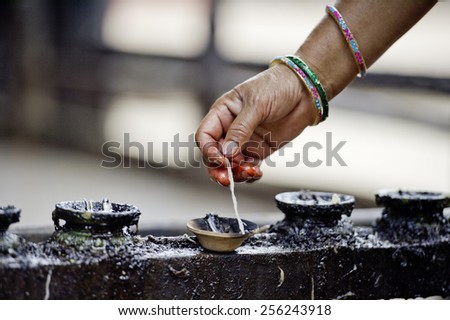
[
  {"x": 241, "y": 173},
  {"x": 247, "y": 173},
  {"x": 242, "y": 128},
  {"x": 219, "y": 175},
  {"x": 210, "y": 133}
]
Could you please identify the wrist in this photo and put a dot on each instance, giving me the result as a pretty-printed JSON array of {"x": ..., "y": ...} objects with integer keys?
[
  {"x": 301, "y": 98},
  {"x": 326, "y": 52}
]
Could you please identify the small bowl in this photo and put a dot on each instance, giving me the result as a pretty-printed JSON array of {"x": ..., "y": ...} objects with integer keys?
[
  {"x": 221, "y": 241},
  {"x": 78, "y": 214},
  {"x": 315, "y": 205}
]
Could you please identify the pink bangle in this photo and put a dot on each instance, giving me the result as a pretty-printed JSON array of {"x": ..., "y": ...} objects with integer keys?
[{"x": 351, "y": 41}]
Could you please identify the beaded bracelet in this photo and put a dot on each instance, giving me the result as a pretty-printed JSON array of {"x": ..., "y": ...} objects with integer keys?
[
  {"x": 351, "y": 41},
  {"x": 315, "y": 80},
  {"x": 304, "y": 78}
]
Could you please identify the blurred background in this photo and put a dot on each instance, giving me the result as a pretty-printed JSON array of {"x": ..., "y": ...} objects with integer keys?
[{"x": 75, "y": 74}]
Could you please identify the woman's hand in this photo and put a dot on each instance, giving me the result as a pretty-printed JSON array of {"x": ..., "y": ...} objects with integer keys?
[
  {"x": 260, "y": 115},
  {"x": 253, "y": 120}
]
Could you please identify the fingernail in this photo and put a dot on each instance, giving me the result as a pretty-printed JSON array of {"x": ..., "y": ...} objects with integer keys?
[
  {"x": 230, "y": 148},
  {"x": 215, "y": 161}
]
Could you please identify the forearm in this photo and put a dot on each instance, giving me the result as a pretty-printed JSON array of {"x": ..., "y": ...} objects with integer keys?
[{"x": 375, "y": 24}]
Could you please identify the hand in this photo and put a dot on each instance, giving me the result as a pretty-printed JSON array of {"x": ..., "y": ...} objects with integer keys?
[
  {"x": 252, "y": 121},
  {"x": 260, "y": 115}
]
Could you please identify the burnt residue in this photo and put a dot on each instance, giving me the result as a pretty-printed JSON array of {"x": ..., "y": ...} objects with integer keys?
[
  {"x": 410, "y": 216},
  {"x": 310, "y": 236},
  {"x": 177, "y": 268},
  {"x": 298, "y": 258},
  {"x": 314, "y": 219},
  {"x": 212, "y": 222}
]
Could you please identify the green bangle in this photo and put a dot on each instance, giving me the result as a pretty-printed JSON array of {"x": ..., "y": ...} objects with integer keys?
[{"x": 315, "y": 80}]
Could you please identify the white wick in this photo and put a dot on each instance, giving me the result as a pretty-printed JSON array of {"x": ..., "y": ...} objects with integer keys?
[
  {"x": 47, "y": 284},
  {"x": 88, "y": 205},
  {"x": 335, "y": 199},
  {"x": 233, "y": 196},
  {"x": 106, "y": 204}
]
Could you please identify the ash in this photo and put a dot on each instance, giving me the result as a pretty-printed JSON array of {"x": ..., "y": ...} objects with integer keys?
[
  {"x": 289, "y": 235},
  {"x": 413, "y": 229}
]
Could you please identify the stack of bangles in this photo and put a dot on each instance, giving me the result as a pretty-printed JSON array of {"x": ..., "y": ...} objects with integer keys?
[
  {"x": 310, "y": 79},
  {"x": 311, "y": 82}
]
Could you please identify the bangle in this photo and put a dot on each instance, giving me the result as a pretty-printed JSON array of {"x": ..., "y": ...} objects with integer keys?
[
  {"x": 351, "y": 41},
  {"x": 304, "y": 78},
  {"x": 306, "y": 69}
]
